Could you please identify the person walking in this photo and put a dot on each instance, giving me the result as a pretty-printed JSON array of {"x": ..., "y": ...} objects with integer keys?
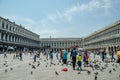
[
  {"x": 86, "y": 59},
  {"x": 35, "y": 55},
  {"x": 73, "y": 55},
  {"x": 51, "y": 56},
  {"x": 103, "y": 55},
  {"x": 61, "y": 55},
  {"x": 79, "y": 61},
  {"x": 20, "y": 55},
  {"x": 65, "y": 57},
  {"x": 112, "y": 55}
]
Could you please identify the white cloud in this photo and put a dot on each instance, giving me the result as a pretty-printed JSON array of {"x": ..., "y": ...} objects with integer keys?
[
  {"x": 107, "y": 6},
  {"x": 42, "y": 27},
  {"x": 69, "y": 13},
  {"x": 48, "y": 32},
  {"x": 39, "y": 27},
  {"x": 24, "y": 21}
]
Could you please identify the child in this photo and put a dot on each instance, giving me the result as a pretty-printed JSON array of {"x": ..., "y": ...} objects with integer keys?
[
  {"x": 79, "y": 61},
  {"x": 86, "y": 59}
]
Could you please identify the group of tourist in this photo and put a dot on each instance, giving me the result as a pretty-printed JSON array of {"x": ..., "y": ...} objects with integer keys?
[{"x": 76, "y": 57}]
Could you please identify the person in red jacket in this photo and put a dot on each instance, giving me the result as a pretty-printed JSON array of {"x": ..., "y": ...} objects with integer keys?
[{"x": 86, "y": 59}]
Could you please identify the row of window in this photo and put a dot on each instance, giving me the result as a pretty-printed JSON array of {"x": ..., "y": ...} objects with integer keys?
[
  {"x": 105, "y": 42},
  {"x": 16, "y": 39},
  {"x": 61, "y": 44},
  {"x": 19, "y": 30},
  {"x": 109, "y": 32}
]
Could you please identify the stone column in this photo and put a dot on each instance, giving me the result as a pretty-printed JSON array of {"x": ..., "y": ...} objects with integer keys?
[
  {"x": 0, "y": 23},
  {"x": 8, "y": 38},
  {"x": 0, "y": 35},
  {"x": 11, "y": 39},
  {"x": 56, "y": 44},
  {"x": 16, "y": 39},
  {"x": 4, "y": 37}
]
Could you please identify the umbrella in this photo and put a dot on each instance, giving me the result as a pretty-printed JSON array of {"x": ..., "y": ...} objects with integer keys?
[{"x": 74, "y": 46}]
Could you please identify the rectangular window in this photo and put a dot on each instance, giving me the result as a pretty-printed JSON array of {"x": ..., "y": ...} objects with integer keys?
[
  {"x": 7, "y": 26},
  {"x": 10, "y": 28},
  {"x": 3, "y": 25}
]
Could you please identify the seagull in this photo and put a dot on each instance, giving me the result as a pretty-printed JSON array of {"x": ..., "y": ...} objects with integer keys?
[
  {"x": 44, "y": 60},
  {"x": 116, "y": 65},
  {"x": 5, "y": 70},
  {"x": 95, "y": 77},
  {"x": 99, "y": 63},
  {"x": 96, "y": 73},
  {"x": 103, "y": 67},
  {"x": 31, "y": 72},
  {"x": 91, "y": 65},
  {"x": 114, "y": 69},
  {"x": 11, "y": 68},
  {"x": 54, "y": 64},
  {"x": 38, "y": 64},
  {"x": 56, "y": 73},
  {"x": 110, "y": 71},
  {"x": 33, "y": 67},
  {"x": 101, "y": 70},
  {"x": 79, "y": 72},
  {"x": 57, "y": 63},
  {"x": 112, "y": 64},
  {"x": 88, "y": 72},
  {"x": 6, "y": 65},
  {"x": 29, "y": 63},
  {"x": 106, "y": 65}
]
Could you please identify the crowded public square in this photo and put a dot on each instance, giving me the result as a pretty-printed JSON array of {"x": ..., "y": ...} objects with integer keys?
[
  {"x": 51, "y": 66},
  {"x": 59, "y": 39}
]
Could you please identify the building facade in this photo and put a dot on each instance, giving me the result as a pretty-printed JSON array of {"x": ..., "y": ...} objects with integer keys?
[
  {"x": 56, "y": 44},
  {"x": 107, "y": 38},
  {"x": 16, "y": 36}
]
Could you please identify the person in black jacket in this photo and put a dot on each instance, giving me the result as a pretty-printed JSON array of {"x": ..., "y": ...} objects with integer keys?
[{"x": 73, "y": 55}]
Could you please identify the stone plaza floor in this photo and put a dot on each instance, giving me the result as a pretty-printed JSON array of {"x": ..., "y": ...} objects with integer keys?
[{"x": 21, "y": 70}]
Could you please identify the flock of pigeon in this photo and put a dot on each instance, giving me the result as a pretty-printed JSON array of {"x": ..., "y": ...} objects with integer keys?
[{"x": 96, "y": 66}]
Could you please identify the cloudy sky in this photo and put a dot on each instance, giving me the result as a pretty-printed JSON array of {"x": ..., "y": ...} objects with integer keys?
[{"x": 61, "y": 18}]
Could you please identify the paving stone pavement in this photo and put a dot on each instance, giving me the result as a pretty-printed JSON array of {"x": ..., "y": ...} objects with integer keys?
[{"x": 21, "y": 70}]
